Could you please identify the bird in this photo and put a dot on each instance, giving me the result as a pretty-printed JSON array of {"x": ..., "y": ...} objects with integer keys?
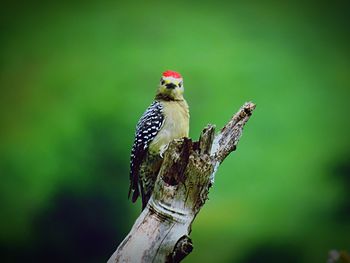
[{"x": 166, "y": 119}]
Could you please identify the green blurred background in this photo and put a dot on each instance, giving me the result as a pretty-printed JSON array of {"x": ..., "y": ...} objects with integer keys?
[{"x": 76, "y": 76}]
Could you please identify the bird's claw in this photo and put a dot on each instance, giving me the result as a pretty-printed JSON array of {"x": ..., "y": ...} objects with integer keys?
[{"x": 163, "y": 149}]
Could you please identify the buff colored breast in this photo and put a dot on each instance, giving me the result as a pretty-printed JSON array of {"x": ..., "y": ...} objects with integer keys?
[{"x": 175, "y": 126}]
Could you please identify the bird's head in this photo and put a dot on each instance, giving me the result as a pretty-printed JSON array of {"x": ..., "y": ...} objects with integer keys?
[{"x": 171, "y": 86}]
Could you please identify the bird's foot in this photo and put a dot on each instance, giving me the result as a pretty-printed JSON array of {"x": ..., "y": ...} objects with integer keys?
[{"x": 163, "y": 149}]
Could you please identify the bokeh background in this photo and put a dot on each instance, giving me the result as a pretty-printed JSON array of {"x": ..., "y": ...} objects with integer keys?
[{"x": 76, "y": 76}]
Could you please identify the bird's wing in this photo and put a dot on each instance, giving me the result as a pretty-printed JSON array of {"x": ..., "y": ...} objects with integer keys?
[{"x": 146, "y": 130}]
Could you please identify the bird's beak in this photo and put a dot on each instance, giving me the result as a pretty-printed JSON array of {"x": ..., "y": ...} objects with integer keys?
[{"x": 170, "y": 85}]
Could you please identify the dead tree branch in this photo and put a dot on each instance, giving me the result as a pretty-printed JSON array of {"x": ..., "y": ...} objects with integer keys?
[{"x": 161, "y": 232}]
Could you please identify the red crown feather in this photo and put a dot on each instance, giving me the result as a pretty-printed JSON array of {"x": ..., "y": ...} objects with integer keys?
[{"x": 170, "y": 73}]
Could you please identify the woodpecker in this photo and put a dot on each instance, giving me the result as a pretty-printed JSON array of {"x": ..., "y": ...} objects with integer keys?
[{"x": 166, "y": 119}]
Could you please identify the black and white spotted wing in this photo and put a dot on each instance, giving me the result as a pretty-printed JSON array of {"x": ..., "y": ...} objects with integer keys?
[{"x": 146, "y": 130}]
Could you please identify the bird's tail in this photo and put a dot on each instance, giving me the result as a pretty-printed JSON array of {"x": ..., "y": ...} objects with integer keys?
[{"x": 133, "y": 192}]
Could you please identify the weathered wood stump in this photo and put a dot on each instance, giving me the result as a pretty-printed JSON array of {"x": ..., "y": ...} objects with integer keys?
[{"x": 161, "y": 232}]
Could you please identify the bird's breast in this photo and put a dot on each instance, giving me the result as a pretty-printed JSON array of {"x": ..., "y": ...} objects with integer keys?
[{"x": 175, "y": 126}]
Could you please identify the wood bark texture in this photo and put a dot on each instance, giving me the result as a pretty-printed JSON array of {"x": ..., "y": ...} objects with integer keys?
[{"x": 161, "y": 232}]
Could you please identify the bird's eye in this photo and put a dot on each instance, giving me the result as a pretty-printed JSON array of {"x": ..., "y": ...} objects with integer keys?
[
  {"x": 162, "y": 82},
  {"x": 180, "y": 84}
]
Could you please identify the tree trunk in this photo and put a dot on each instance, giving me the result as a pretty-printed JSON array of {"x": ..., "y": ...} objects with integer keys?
[{"x": 161, "y": 232}]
